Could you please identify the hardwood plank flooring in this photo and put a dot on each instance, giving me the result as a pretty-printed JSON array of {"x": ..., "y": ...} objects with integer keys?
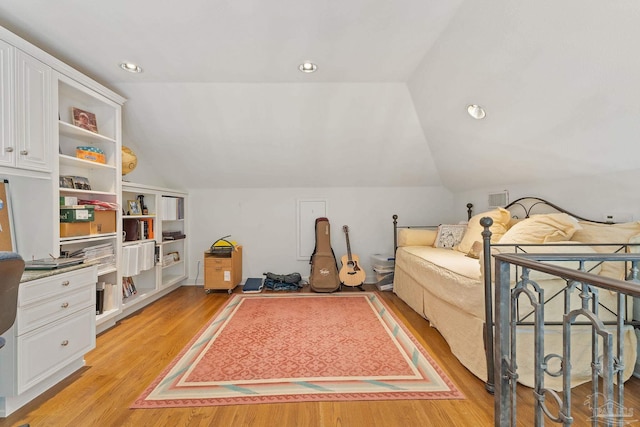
[{"x": 129, "y": 356}]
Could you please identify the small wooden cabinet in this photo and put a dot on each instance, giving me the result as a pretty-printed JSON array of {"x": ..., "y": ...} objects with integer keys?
[{"x": 223, "y": 270}]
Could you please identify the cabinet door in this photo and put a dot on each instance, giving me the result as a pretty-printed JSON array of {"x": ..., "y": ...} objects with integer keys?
[
  {"x": 7, "y": 146},
  {"x": 33, "y": 113}
]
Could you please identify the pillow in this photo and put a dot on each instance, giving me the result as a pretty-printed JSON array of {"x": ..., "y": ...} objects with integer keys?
[
  {"x": 591, "y": 232},
  {"x": 542, "y": 228},
  {"x": 449, "y": 235},
  {"x": 476, "y": 250},
  {"x": 474, "y": 231},
  {"x": 416, "y": 237}
]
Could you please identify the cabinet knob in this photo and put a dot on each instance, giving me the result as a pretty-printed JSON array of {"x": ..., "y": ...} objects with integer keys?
[
  {"x": 65, "y": 283},
  {"x": 24, "y": 152},
  {"x": 9, "y": 149},
  {"x": 64, "y": 343},
  {"x": 65, "y": 305}
]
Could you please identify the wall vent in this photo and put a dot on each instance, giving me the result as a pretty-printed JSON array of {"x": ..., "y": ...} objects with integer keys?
[{"x": 499, "y": 200}]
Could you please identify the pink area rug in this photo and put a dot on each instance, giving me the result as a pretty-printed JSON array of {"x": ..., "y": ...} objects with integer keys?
[{"x": 297, "y": 348}]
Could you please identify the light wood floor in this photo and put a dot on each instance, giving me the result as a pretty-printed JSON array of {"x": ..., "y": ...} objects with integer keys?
[{"x": 129, "y": 356}]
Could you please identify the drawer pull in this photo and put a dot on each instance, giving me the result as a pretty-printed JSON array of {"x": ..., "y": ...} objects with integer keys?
[
  {"x": 65, "y": 283},
  {"x": 24, "y": 152},
  {"x": 65, "y": 305},
  {"x": 9, "y": 149},
  {"x": 64, "y": 343}
]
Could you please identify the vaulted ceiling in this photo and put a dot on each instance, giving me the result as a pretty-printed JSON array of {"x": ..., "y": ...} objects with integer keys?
[{"x": 222, "y": 98}]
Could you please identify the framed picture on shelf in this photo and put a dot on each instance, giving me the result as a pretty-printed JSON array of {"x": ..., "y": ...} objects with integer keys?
[
  {"x": 134, "y": 207},
  {"x": 66, "y": 182},
  {"x": 81, "y": 183},
  {"x": 84, "y": 119}
]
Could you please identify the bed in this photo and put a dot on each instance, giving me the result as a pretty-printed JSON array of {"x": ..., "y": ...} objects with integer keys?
[{"x": 448, "y": 284}]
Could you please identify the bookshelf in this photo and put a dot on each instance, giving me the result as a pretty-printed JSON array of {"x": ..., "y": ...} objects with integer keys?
[
  {"x": 161, "y": 223},
  {"x": 82, "y": 181}
]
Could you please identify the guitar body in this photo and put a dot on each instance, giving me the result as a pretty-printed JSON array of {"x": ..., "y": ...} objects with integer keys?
[{"x": 351, "y": 274}]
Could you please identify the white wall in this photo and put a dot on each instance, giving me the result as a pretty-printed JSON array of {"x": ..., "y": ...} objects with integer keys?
[
  {"x": 264, "y": 222},
  {"x": 227, "y": 135},
  {"x": 589, "y": 197}
]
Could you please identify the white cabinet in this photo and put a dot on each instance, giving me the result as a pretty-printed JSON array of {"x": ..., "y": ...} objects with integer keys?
[
  {"x": 33, "y": 118},
  {"x": 6, "y": 96},
  {"x": 26, "y": 118},
  {"x": 54, "y": 329}
]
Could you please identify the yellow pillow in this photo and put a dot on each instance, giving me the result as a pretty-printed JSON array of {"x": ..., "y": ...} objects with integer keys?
[
  {"x": 592, "y": 232},
  {"x": 542, "y": 228},
  {"x": 474, "y": 231},
  {"x": 416, "y": 237}
]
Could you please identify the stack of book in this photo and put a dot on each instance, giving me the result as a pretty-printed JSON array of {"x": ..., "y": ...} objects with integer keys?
[
  {"x": 172, "y": 208},
  {"x": 102, "y": 254},
  {"x": 173, "y": 235},
  {"x": 128, "y": 287}
]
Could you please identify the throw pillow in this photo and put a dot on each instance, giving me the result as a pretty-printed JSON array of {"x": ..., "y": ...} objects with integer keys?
[
  {"x": 542, "y": 228},
  {"x": 591, "y": 232},
  {"x": 416, "y": 237},
  {"x": 474, "y": 231},
  {"x": 449, "y": 235},
  {"x": 476, "y": 250}
]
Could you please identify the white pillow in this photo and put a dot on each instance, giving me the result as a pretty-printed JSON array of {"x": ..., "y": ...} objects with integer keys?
[{"x": 449, "y": 235}]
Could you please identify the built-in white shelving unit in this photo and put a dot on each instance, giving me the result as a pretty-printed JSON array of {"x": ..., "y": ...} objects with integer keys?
[
  {"x": 56, "y": 316},
  {"x": 161, "y": 211},
  {"x": 104, "y": 181}
]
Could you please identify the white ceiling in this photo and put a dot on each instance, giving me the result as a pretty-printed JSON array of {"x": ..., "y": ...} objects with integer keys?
[
  {"x": 221, "y": 96},
  {"x": 234, "y": 40}
]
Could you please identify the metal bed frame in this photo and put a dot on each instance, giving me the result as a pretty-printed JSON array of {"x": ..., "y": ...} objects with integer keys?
[{"x": 521, "y": 208}]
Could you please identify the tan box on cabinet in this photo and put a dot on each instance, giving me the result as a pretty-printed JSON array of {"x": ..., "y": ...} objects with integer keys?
[
  {"x": 223, "y": 271},
  {"x": 75, "y": 229},
  {"x": 104, "y": 222}
]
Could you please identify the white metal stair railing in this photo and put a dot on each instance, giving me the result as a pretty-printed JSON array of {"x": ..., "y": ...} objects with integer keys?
[{"x": 607, "y": 383}]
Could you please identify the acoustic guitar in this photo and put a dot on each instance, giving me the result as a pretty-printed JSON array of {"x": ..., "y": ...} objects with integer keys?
[{"x": 351, "y": 274}]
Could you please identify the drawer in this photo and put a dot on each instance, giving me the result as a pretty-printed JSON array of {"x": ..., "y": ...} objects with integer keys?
[
  {"x": 48, "y": 349},
  {"x": 52, "y": 309},
  {"x": 218, "y": 262},
  {"x": 53, "y": 286}
]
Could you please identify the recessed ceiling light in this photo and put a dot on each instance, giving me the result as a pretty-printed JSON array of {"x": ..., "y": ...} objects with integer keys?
[
  {"x": 476, "y": 111},
  {"x": 131, "y": 67},
  {"x": 308, "y": 67}
]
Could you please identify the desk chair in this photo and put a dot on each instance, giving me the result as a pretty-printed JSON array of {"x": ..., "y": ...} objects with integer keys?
[{"x": 11, "y": 269}]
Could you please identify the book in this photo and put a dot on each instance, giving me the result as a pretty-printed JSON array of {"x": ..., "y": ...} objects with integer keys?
[
  {"x": 52, "y": 263},
  {"x": 253, "y": 285}
]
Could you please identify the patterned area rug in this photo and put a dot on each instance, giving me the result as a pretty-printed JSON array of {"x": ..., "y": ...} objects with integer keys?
[{"x": 299, "y": 347}]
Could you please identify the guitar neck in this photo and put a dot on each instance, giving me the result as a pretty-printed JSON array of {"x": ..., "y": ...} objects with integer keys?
[{"x": 346, "y": 233}]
